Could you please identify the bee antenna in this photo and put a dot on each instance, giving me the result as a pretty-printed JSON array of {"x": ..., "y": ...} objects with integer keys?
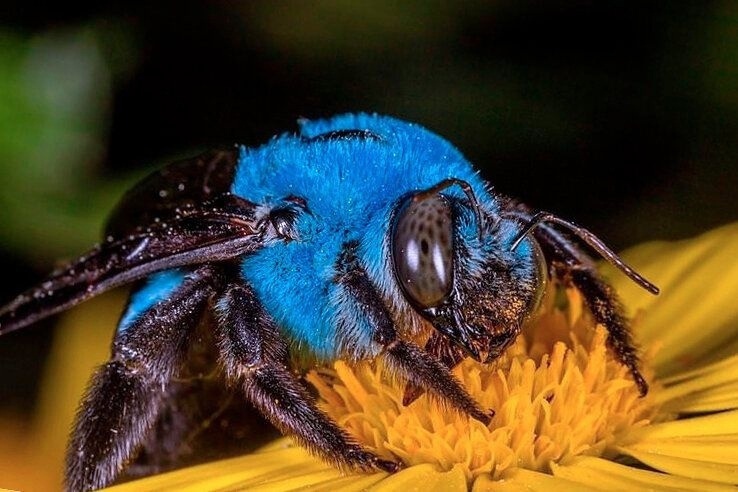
[{"x": 591, "y": 240}]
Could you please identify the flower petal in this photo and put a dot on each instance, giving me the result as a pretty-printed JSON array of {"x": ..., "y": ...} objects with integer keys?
[
  {"x": 695, "y": 317},
  {"x": 269, "y": 469},
  {"x": 520, "y": 479},
  {"x": 423, "y": 478},
  {"x": 604, "y": 474},
  {"x": 716, "y": 449},
  {"x": 703, "y": 470},
  {"x": 726, "y": 364},
  {"x": 704, "y": 426},
  {"x": 699, "y": 447},
  {"x": 710, "y": 388},
  {"x": 349, "y": 483}
]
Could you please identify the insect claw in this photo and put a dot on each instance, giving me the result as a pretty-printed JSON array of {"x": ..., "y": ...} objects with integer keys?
[
  {"x": 412, "y": 393},
  {"x": 483, "y": 417},
  {"x": 363, "y": 459},
  {"x": 640, "y": 382},
  {"x": 387, "y": 465}
]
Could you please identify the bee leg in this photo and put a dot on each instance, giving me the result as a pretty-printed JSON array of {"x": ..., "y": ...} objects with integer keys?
[
  {"x": 441, "y": 348},
  {"x": 605, "y": 307},
  {"x": 420, "y": 368},
  {"x": 255, "y": 355},
  {"x": 572, "y": 266},
  {"x": 126, "y": 394}
]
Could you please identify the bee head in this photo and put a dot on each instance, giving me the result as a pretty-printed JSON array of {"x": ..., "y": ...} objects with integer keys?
[{"x": 461, "y": 267}]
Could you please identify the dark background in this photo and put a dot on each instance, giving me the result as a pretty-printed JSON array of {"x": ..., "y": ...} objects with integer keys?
[{"x": 621, "y": 116}]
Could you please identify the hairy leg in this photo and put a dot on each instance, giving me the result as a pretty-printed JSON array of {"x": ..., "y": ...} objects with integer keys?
[
  {"x": 255, "y": 356},
  {"x": 572, "y": 266},
  {"x": 125, "y": 394},
  {"x": 419, "y": 367},
  {"x": 441, "y": 348}
]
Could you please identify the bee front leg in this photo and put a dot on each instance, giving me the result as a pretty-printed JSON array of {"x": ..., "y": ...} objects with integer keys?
[
  {"x": 255, "y": 356},
  {"x": 125, "y": 395},
  {"x": 439, "y": 347},
  {"x": 420, "y": 368}
]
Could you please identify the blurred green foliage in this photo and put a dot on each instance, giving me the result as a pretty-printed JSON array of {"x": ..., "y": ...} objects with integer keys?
[{"x": 55, "y": 91}]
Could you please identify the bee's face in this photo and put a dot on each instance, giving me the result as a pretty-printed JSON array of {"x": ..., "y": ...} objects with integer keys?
[{"x": 465, "y": 278}]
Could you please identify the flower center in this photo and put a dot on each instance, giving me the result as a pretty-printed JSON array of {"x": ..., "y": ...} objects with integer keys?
[{"x": 557, "y": 392}]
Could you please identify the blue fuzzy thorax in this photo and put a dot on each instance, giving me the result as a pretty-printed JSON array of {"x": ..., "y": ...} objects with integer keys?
[{"x": 352, "y": 187}]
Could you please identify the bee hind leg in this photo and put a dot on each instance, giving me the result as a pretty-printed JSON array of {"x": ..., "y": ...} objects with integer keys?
[{"x": 126, "y": 394}]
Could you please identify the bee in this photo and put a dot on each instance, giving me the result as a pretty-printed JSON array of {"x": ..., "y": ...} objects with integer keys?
[{"x": 352, "y": 238}]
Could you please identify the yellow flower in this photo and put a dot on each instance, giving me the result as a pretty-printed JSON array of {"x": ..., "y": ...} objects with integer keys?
[{"x": 567, "y": 415}]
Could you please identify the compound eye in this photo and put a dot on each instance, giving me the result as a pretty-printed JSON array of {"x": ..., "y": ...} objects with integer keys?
[{"x": 422, "y": 250}]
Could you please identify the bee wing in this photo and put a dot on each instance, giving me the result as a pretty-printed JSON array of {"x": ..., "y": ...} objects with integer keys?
[
  {"x": 177, "y": 186},
  {"x": 179, "y": 231}
]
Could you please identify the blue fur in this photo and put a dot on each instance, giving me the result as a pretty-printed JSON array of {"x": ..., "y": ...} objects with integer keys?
[
  {"x": 158, "y": 287},
  {"x": 352, "y": 188}
]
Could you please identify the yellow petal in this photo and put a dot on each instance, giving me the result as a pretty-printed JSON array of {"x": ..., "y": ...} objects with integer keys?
[
  {"x": 257, "y": 471},
  {"x": 607, "y": 475},
  {"x": 697, "y": 469},
  {"x": 712, "y": 400},
  {"x": 83, "y": 342},
  {"x": 708, "y": 425},
  {"x": 696, "y": 315},
  {"x": 727, "y": 364},
  {"x": 291, "y": 468},
  {"x": 522, "y": 480},
  {"x": 422, "y": 478},
  {"x": 703, "y": 448},
  {"x": 351, "y": 483},
  {"x": 713, "y": 387},
  {"x": 723, "y": 450}
]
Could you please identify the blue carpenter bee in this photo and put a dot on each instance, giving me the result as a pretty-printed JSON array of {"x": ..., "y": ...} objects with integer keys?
[{"x": 351, "y": 239}]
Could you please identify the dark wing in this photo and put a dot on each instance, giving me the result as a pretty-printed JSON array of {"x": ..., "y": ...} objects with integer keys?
[
  {"x": 177, "y": 186},
  {"x": 183, "y": 232}
]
